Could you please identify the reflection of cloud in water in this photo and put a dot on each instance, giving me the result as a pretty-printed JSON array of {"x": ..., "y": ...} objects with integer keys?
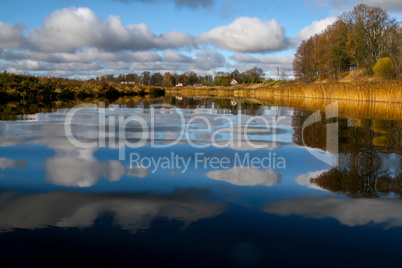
[
  {"x": 350, "y": 212},
  {"x": 246, "y": 176},
  {"x": 49, "y": 129},
  {"x": 131, "y": 211},
  {"x": 82, "y": 169},
  {"x": 304, "y": 179},
  {"x": 10, "y": 163}
]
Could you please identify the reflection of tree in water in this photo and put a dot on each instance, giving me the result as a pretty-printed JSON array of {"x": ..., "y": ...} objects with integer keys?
[
  {"x": 184, "y": 102},
  {"x": 361, "y": 174},
  {"x": 385, "y": 135},
  {"x": 314, "y": 135}
]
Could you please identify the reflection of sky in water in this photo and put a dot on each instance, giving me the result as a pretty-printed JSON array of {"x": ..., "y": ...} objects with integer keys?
[{"x": 36, "y": 157}]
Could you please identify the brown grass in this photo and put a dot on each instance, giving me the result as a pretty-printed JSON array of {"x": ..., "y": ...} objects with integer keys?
[
  {"x": 374, "y": 91},
  {"x": 384, "y": 91}
]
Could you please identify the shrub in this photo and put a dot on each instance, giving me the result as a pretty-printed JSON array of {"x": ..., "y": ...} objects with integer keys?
[{"x": 384, "y": 68}]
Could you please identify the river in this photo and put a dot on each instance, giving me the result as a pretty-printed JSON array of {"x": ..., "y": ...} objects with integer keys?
[{"x": 198, "y": 182}]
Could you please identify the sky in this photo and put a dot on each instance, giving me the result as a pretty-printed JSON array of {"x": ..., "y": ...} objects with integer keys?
[{"x": 87, "y": 38}]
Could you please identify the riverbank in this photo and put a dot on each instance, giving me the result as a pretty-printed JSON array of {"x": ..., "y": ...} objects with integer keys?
[
  {"x": 374, "y": 91},
  {"x": 36, "y": 89}
]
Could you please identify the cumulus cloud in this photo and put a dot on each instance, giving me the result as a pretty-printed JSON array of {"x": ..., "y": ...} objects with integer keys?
[
  {"x": 205, "y": 62},
  {"x": 89, "y": 55},
  {"x": 315, "y": 27},
  {"x": 246, "y": 176},
  {"x": 284, "y": 61},
  {"x": 179, "y": 3},
  {"x": 69, "y": 29},
  {"x": 12, "y": 36},
  {"x": 350, "y": 212},
  {"x": 131, "y": 211},
  {"x": 76, "y": 42},
  {"x": 31, "y": 65},
  {"x": 247, "y": 35},
  {"x": 173, "y": 56}
]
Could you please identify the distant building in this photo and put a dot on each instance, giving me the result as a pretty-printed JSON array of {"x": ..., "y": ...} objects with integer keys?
[
  {"x": 128, "y": 83},
  {"x": 234, "y": 82},
  {"x": 179, "y": 84}
]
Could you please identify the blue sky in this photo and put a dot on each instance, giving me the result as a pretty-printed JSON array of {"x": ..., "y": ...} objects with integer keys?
[{"x": 86, "y": 38}]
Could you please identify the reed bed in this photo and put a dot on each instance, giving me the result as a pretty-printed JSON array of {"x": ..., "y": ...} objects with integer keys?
[{"x": 383, "y": 91}]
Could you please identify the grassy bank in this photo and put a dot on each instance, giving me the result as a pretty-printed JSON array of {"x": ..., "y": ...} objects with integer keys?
[
  {"x": 380, "y": 91},
  {"x": 31, "y": 89},
  {"x": 374, "y": 91}
]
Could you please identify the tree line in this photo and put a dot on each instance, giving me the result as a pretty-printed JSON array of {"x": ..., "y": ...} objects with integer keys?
[
  {"x": 146, "y": 78},
  {"x": 32, "y": 88},
  {"x": 358, "y": 39}
]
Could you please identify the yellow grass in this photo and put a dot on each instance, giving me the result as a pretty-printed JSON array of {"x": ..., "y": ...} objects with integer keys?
[
  {"x": 384, "y": 91},
  {"x": 373, "y": 91}
]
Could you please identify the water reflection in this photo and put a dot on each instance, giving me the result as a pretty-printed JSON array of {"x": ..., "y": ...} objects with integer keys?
[
  {"x": 306, "y": 180},
  {"x": 10, "y": 163},
  {"x": 368, "y": 158},
  {"x": 246, "y": 176},
  {"x": 131, "y": 211},
  {"x": 80, "y": 168},
  {"x": 350, "y": 212},
  {"x": 247, "y": 211},
  {"x": 362, "y": 174},
  {"x": 384, "y": 135}
]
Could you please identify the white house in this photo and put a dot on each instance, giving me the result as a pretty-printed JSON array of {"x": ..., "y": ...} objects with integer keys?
[{"x": 234, "y": 82}]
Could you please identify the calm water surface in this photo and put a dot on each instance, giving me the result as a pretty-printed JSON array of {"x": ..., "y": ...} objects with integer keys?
[{"x": 199, "y": 182}]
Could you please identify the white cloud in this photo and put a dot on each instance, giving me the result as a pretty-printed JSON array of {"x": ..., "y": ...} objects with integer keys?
[
  {"x": 205, "y": 62},
  {"x": 31, "y": 65},
  {"x": 247, "y": 35},
  {"x": 173, "y": 56},
  {"x": 246, "y": 176},
  {"x": 316, "y": 27},
  {"x": 285, "y": 61},
  {"x": 12, "y": 36},
  {"x": 350, "y": 212},
  {"x": 75, "y": 41},
  {"x": 69, "y": 29}
]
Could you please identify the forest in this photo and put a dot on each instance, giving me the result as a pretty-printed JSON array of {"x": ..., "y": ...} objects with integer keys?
[{"x": 365, "y": 38}]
